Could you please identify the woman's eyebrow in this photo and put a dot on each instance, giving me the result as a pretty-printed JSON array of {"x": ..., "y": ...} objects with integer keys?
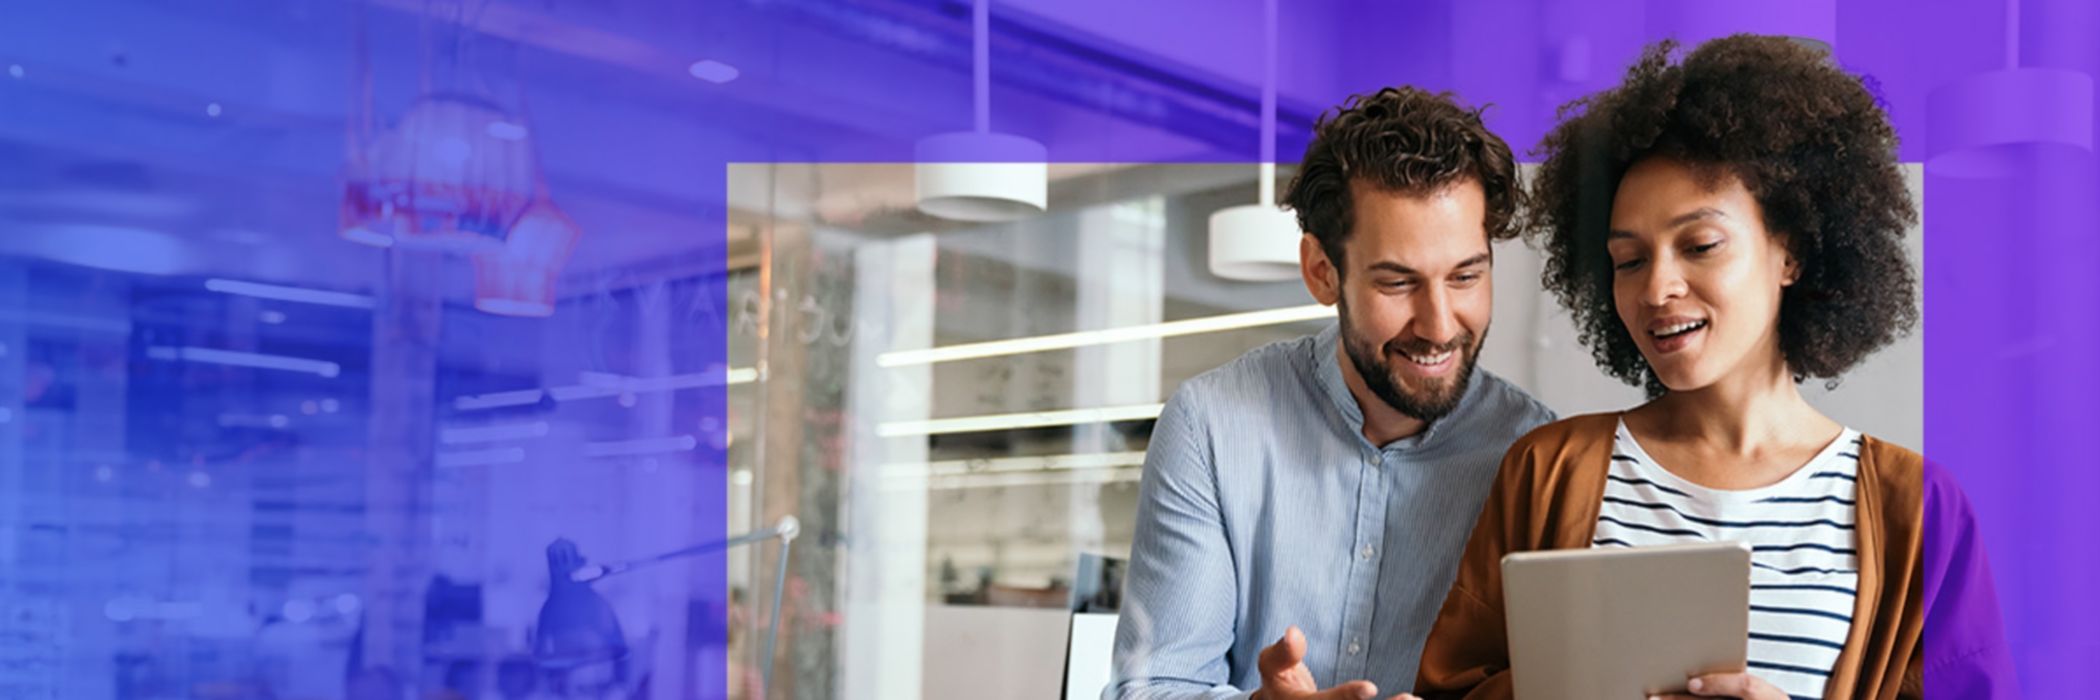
[{"x": 1700, "y": 214}]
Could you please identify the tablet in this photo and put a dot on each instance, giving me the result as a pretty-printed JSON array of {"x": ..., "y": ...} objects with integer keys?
[{"x": 1624, "y": 623}]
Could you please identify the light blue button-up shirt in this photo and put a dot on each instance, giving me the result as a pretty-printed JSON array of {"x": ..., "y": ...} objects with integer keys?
[{"x": 1263, "y": 506}]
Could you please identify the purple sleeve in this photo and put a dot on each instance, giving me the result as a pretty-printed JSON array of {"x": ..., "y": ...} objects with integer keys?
[{"x": 1965, "y": 651}]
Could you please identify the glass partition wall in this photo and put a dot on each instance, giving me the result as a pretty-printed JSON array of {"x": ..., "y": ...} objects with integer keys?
[{"x": 957, "y": 413}]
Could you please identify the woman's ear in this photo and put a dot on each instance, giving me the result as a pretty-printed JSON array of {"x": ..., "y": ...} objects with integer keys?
[
  {"x": 1789, "y": 266},
  {"x": 1322, "y": 278}
]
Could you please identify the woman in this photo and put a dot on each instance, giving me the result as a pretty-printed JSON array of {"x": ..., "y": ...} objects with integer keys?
[{"x": 1722, "y": 228}]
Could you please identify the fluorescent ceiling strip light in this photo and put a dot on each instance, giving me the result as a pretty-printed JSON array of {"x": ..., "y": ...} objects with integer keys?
[
  {"x": 236, "y": 420},
  {"x": 1064, "y": 341},
  {"x": 1056, "y": 478},
  {"x": 500, "y": 399},
  {"x": 641, "y": 385},
  {"x": 1012, "y": 421},
  {"x": 598, "y": 385},
  {"x": 245, "y": 359},
  {"x": 624, "y": 448},
  {"x": 998, "y": 465},
  {"x": 477, "y": 458},
  {"x": 492, "y": 433},
  {"x": 579, "y": 392},
  {"x": 283, "y": 293}
]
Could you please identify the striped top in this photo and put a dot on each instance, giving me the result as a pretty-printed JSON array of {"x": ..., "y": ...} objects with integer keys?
[{"x": 1804, "y": 561}]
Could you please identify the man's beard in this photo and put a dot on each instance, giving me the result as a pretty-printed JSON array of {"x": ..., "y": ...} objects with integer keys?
[{"x": 1435, "y": 400}]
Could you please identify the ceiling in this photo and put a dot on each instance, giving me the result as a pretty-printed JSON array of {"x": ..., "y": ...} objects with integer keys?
[{"x": 207, "y": 138}]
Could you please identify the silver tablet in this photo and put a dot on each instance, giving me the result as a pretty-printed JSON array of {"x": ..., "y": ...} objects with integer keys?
[{"x": 1624, "y": 623}]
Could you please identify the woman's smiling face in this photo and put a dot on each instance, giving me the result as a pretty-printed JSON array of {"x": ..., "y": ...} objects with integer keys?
[{"x": 1696, "y": 277}]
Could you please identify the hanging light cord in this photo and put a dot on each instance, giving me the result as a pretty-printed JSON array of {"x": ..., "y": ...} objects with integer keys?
[
  {"x": 981, "y": 63},
  {"x": 1268, "y": 104}
]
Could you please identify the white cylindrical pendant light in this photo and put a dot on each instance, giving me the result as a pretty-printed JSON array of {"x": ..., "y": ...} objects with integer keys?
[
  {"x": 982, "y": 176},
  {"x": 1254, "y": 243},
  {"x": 1988, "y": 124},
  {"x": 1997, "y": 123},
  {"x": 1258, "y": 242}
]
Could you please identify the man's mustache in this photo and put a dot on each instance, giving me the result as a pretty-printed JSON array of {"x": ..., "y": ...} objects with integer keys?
[{"x": 1421, "y": 347}]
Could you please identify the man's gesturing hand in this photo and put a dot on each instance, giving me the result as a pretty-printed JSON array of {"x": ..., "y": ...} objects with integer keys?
[{"x": 1285, "y": 677}]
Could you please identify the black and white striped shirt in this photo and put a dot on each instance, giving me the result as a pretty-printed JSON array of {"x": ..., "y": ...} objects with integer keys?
[{"x": 1804, "y": 561}]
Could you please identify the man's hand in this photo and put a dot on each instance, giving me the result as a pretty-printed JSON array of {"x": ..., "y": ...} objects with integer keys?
[
  {"x": 1285, "y": 677},
  {"x": 1724, "y": 685}
]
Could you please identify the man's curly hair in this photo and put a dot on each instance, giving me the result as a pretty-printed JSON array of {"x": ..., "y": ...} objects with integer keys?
[
  {"x": 1405, "y": 140},
  {"x": 1804, "y": 137}
]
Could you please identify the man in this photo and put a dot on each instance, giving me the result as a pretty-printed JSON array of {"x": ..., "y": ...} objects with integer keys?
[{"x": 1313, "y": 496}]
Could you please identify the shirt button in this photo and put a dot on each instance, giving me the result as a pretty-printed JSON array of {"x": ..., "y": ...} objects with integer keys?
[
  {"x": 1368, "y": 552},
  {"x": 1355, "y": 648}
]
